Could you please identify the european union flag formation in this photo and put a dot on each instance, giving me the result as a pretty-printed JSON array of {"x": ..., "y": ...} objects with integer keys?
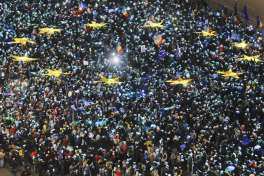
[{"x": 177, "y": 80}]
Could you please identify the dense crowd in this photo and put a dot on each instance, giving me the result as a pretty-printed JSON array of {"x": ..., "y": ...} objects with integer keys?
[{"x": 144, "y": 126}]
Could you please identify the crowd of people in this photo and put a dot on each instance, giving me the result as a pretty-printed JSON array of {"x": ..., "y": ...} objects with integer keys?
[{"x": 73, "y": 125}]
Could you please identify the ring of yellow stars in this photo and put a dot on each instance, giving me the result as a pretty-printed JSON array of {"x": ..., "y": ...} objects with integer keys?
[
  {"x": 229, "y": 73},
  {"x": 108, "y": 81},
  {"x": 55, "y": 73},
  {"x": 151, "y": 24},
  {"x": 22, "y": 40},
  {"x": 247, "y": 58},
  {"x": 23, "y": 58},
  {"x": 241, "y": 45},
  {"x": 180, "y": 81},
  {"x": 207, "y": 33},
  {"x": 95, "y": 25},
  {"x": 49, "y": 31}
]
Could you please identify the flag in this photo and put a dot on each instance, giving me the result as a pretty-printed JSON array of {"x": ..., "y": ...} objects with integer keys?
[
  {"x": 261, "y": 25},
  {"x": 258, "y": 22},
  {"x": 162, "y": 54},
  {"x": 82, "y": 6},
  {"x": 78, "y": 11},
  {"x": 245, "y": 13}
]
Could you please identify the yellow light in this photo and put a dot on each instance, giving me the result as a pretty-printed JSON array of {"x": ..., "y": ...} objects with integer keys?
[
  {"x": 22, "y": 40},
  {"x": 150, "y": 24},
  {"x": 207, "y": 33},
  {"x": 49, "y": 31},
  {"x": 180, "y": 81},
  {"x": 241, "y": 45},
  {"x": 108, "y": 81},
  {"x": 23, "y": 58},
  {"x": 95, "y": 25},
  {"x": 229, "y": 73},
  {"x": 55, "y": 72},
  {"x": 247, "y": 58}
]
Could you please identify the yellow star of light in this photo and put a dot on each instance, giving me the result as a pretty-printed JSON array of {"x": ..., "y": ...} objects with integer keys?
[
  {"x": 241, "y": 45},
  {"x": 23, "y": 40},
  {"x": 255, "y": 58},
  {"x": 108, "y": 81},
  {"x": 95, "y": 25},
  {"x": 150, "y": 24},
  {"x": 229, "y": 73},
  {"x": 55, "y": 72},
  {"x": 49, "y": 31},
  {"x": 207, "y": 33},
  {"x": 23, "y": 58},
  {"x": 180, "y": 81}
]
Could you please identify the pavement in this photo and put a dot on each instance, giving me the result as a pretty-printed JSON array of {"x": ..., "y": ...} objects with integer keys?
[{"x": 5, "y": 172}]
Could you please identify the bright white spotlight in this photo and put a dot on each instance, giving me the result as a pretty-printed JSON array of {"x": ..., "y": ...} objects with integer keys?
[{"x": 115, "y": 59}]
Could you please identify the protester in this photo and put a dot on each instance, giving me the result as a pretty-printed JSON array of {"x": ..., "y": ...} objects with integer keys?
[
  {"x": 74, "y": 124},
  {"x": 2, "y": 158}
]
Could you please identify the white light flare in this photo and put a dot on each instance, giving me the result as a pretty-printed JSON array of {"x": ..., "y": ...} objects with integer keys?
[{"x": 115, "y": 59}]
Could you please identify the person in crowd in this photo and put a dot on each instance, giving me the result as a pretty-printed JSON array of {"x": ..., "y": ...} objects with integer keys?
[{"x": 2, "y": 158}]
